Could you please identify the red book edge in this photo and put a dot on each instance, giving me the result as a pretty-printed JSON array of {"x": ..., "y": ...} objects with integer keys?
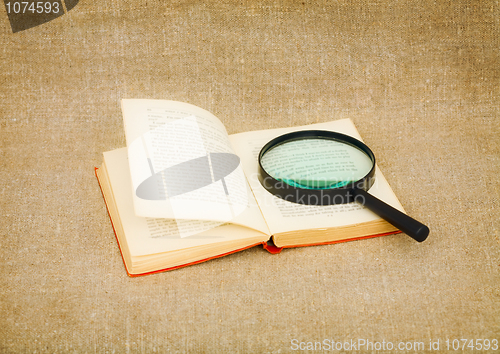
[
  {"x": 268, "y": 246},
  {"x": 340, "y": 241},
  {"x": 170, "y": 268}
]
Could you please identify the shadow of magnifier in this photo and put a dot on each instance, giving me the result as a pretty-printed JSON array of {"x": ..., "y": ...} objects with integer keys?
[{"x": 316, "y": 167}]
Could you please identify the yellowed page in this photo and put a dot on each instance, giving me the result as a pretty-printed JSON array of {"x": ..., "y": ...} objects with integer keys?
[
  {"x": 283, "y": 216},
  {"x": 146, "y": 236},
  {"x": 181, "y": 163}
]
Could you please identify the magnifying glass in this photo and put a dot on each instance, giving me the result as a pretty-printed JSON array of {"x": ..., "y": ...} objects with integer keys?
[{"x": 317, "y": 167}]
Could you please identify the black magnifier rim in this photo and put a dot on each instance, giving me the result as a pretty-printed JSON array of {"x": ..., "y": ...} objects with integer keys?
[{"x": 339, "y": 195}]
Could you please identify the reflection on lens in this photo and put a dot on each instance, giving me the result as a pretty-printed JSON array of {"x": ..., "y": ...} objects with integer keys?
[{"x": 316, "y": 163}]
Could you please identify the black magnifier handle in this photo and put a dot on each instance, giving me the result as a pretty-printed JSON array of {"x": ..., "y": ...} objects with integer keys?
[{"x": 408, "y": 225}]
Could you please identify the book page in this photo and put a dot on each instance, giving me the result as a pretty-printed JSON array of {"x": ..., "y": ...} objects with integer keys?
[
  {"x": 182, "y": 165},
  {"x": 146, "y": 236},
  {"x": 284, "y": 216}
]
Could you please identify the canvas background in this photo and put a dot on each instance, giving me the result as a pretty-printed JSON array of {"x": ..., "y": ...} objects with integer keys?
[{"x": 420, "y": 79}]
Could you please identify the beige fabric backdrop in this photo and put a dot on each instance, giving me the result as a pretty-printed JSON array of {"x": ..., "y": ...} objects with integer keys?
[{"x": 420, "y": 80}]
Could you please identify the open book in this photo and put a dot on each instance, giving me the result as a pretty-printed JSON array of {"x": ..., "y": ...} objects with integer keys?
[{"x": 184, "y": 191}]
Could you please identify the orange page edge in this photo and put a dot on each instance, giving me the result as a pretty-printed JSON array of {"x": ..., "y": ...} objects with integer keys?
[
  {"x": 267, "y": 247},
  {"x": 271, "y": 248}
]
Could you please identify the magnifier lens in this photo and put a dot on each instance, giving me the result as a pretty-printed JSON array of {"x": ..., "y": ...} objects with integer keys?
[
  {"x": 316, "y": 163},
  {"x": 324, "y": 168}
]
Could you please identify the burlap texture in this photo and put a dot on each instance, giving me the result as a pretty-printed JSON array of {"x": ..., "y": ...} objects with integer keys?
[{"x": 420, "y": 80}]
